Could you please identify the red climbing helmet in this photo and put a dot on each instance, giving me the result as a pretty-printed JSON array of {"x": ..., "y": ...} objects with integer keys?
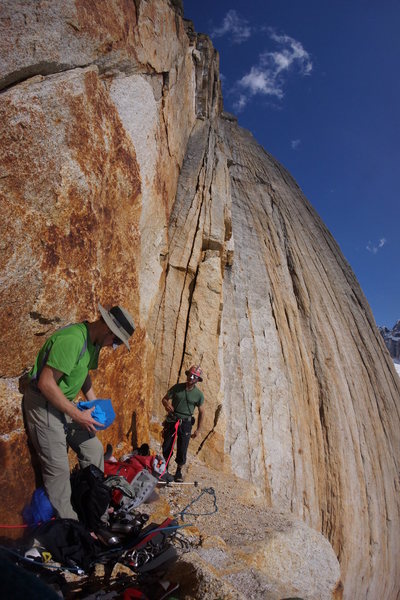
[{"x": 195, "y": 372}]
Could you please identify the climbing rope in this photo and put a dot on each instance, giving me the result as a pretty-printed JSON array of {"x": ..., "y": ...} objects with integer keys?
[
  {"x": 185, "y": 512},
  {"x": 24, "y": 526}
]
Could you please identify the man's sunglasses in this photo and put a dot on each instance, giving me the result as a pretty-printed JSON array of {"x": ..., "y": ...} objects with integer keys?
[{"x": 117, "y": 341}]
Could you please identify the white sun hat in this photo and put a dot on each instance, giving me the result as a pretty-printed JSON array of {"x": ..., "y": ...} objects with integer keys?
[{"x": 119, "y": 321}]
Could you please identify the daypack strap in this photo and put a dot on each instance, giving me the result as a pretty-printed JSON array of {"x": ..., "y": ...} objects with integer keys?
[{"x": 36, "y": 377}]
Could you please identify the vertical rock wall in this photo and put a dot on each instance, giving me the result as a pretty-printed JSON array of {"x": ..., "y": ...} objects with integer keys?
[
  {"x": 301, "y": 392},
  {"x": 121, "y": 180},
  {"x": 311, "y": 396},
  {"x": 97, "y": 105}
]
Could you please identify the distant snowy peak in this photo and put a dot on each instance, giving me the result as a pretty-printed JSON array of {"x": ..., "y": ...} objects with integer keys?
[{"x": 392, "y": 340}]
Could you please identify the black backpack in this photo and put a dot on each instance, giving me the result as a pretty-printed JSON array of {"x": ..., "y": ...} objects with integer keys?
[
  {"x": 68, "y": 542},
  {"x": 90, "y": 498}
]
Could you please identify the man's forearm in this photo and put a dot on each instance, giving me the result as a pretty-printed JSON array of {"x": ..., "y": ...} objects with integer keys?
[
  {"x": 89, "y": 394},
  {"x": 50, "y": 390},
  {"x": 200, "y": 420},
  {"x": 47, "y": 384}
]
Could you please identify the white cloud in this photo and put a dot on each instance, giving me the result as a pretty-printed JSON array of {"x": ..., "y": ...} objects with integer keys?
[
  {"x": 233, "y": 25},
  {"x": 240, "y": 103},
  {"x": 269, "y": 76},
  {"x": 374, "y": 248},
  {"x": 291, "y": 52},
  {"x": 295, "y": 144},
  {"x": 259, "y": 81}
]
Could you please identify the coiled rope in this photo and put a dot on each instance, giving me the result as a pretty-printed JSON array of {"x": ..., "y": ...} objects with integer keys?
[{"x": 185, "y": 511}]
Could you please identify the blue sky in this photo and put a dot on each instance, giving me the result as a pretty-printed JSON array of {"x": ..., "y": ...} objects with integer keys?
[{"x": 318, "y": 84}]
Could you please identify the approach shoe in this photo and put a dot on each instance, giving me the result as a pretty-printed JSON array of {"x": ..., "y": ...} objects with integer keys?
[
  {"x": 166, "y": 477},
  {"x": 178, "y": 475}
]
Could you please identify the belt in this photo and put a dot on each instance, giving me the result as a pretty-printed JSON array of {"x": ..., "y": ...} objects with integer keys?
[{"x": 179, "y": 419}]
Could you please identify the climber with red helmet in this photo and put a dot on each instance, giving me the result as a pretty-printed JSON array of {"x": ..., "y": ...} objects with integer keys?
[{"x": 180, "y": 402}]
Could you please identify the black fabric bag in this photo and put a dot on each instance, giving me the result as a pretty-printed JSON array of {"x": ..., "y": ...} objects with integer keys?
[
  {"x": 68, "y": 542},
  {"x": 90, "y": 498}
]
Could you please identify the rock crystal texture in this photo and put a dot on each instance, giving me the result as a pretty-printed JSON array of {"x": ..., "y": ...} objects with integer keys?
[{"x": 123, "y": 181}]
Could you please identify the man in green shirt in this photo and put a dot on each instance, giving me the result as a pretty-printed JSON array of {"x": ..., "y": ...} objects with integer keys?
[
  {"x": 53, "y": 421},
  {"x": 180, "y": 402}
]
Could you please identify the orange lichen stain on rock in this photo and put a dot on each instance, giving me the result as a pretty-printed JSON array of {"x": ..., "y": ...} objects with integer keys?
[
  {"x": 68, "y": 248},
  {"x": 98, "y": 234},
  {"x": 27, "y": 175},
  {"x": 15, "y": 491},
  {"x": 24, "y": 165},
  {"x": 98, "y": 139},
  {"x": 112, "y": 23},
  {"x": 135, "y": 392},
  {"x": 122, "y": 376}
]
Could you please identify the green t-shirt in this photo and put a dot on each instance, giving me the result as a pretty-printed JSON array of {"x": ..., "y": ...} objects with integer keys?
[
  {"x": 62, "y": 351},
  {"x": 184, "y": 401}
]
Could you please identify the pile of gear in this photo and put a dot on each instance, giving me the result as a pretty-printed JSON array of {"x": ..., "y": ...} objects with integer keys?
[
  {"x": 110, "y": 531},
  {"x": 96, "y": 508}
]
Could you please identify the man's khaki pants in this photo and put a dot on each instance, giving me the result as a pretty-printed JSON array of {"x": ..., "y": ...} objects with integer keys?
[{"x": 51, "y": 432}]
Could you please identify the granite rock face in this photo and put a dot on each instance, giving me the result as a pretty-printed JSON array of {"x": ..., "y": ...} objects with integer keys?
[
  {"x": 315, "y": 398},
  {"x": 96, "y": 109},
  {"x": 122, "y": 180}
]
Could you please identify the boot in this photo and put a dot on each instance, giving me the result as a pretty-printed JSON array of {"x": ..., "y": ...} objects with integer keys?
[
  {"x": 178, "y": 474},
  {"x": 166, "y": 477}
]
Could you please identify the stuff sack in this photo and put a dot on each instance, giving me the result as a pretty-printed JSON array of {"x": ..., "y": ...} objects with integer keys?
[
  {"x": 90, "y": 498},
  {"x": 40, "y": 509},
  {"x": 103, "y": 411}
]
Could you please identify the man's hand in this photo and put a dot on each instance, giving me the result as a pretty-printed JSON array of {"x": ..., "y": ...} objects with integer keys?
[
  {"x": 167, "y": 405},
  {"x": 47, "y": 384},
  {"x": 199, "y": 423},
  {"x": 85, "y": 420}
]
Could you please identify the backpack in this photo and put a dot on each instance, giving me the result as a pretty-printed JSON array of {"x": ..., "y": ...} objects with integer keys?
[
  {"x": 136, "y": 471},
  {"x": 90, "y": 498},
  {"x": 68, "y": 542}
]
